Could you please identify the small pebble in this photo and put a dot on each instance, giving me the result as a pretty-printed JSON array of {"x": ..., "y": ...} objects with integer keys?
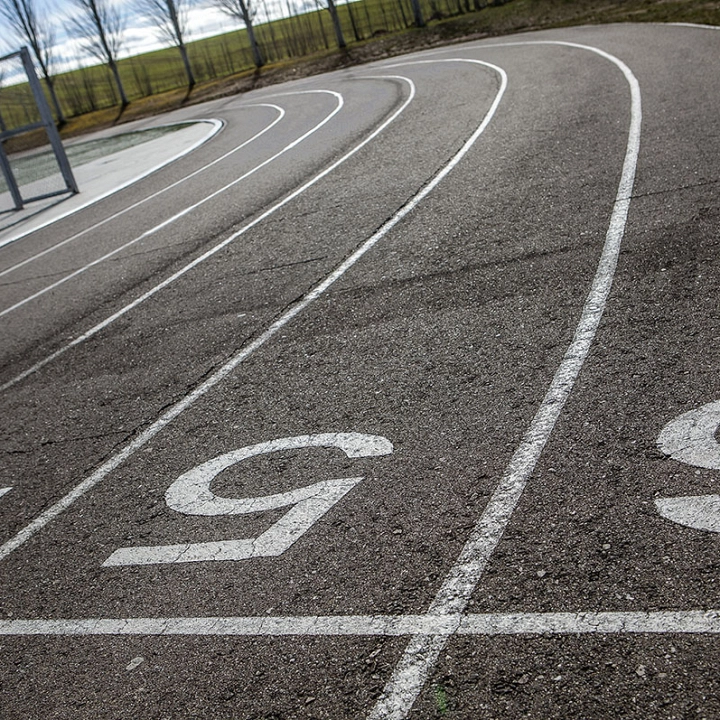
[{"x": 134, "y": 663}]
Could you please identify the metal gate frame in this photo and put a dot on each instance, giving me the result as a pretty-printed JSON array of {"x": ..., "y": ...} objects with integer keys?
[{"x": 47, "y": 122}]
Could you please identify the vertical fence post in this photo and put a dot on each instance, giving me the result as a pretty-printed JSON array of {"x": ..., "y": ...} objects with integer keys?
[
  {"x": 10, "y": 179},
  {"x": 48, "y": 121}
]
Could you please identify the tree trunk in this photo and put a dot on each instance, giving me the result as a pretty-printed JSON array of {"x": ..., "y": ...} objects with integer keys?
[
  {"x": 116, "y": 74},
  {"x": 254, "y": 47},
  {"x": 417, "y": 13},
  {"x": 61, "y": 120},
  {"x": 177, "y": 31},
  {"x": 336, "y": 24},
  {"x": 188, "y": 68}
]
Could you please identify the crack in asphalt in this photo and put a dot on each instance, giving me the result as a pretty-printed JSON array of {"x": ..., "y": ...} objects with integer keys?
[{"x": 678, "y": 188}]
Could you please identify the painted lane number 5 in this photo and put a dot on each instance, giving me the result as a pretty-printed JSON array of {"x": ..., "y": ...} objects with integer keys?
[{"x": 191, "y": 494}]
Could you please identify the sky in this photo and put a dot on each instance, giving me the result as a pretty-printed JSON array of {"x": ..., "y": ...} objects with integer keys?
[{"x": 141, "y": 35}]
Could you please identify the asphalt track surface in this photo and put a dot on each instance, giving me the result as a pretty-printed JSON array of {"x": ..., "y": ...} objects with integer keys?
[{"x": 404, "y": 407}]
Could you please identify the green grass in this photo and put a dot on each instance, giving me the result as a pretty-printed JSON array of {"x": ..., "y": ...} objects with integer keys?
[
  {"x": 441, "y": 700},
  {"x": 297, "y": 47}
]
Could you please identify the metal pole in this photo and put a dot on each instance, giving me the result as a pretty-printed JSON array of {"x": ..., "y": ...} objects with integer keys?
[
  {"x": 10, "y": 179},
  {"x": 48, "y": 121}
]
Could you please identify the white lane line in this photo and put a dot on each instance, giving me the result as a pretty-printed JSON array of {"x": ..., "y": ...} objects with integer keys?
[
  {"x": 687, "y": 622},
  {"x": 216, "y": 127},
  {"x": 694, "y": 25},
  {"x": 179, "y": 407},
  {"x": 422, "y": 652},
  {"x": 4, "y": 490},
  {"x": 185, "y": 211},
  {"x": 136, "y": 205},
  {"x": 209, "y": 253}
]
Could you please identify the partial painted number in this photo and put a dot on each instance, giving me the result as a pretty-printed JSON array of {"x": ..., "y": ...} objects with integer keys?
[
  {"x": 692, "y": 439},
  {"x": 191, "y": 494}
]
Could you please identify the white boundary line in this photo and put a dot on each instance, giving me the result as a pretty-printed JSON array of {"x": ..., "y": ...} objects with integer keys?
[
  {"x": 190, "y": 208},
  {"x": 693, "y": 25},
  {"x": 179, "y": 407},
  {"x": 217, "y": 126},
  {"x": 493, "y": 624},
  {"x": 422, "y": 652}
]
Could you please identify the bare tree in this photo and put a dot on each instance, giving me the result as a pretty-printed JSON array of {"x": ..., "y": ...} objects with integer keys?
[
  {"x": 330, "y": 6},
  {"x": 30, "y": 29},
  {"x": 100, "y": 27},
  {"x": 244, "y": 11},
  {"x": 170, "y": 16}
]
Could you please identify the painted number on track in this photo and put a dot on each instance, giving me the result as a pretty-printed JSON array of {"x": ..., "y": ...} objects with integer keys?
[
  {"x": 191, "y": 494},
  {"x": 692, "y": 439}
]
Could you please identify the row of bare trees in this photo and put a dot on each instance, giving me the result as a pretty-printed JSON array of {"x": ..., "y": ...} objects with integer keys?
[{"x": 99, "y": 27}]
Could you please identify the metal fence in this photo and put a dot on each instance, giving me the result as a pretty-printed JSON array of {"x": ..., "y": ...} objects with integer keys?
[{"x": 24, "y": 109}]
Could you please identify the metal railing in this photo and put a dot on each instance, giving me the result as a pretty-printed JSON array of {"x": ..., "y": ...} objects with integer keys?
[{"x": 47, "y": 122}]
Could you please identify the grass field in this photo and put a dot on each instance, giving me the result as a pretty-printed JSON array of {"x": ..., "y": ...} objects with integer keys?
[{"x": 303, "y": 45}]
